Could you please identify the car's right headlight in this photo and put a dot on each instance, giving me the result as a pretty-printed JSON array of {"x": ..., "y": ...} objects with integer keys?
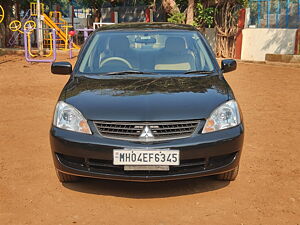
[
  {"x": 225, "y": 116},
  {"x": 67, "y": 117}
]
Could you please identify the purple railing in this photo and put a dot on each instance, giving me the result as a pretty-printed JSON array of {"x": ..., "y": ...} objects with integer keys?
[
  {"x": 85, "y": 32},
  {"x": 27, "y": 55}
]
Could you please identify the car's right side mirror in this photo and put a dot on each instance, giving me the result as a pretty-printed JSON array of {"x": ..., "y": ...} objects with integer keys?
[
  {"x": 228, "y": 65},
  {"x": 63, "y": 68}
]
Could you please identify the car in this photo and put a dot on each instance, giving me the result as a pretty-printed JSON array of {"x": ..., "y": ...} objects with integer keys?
[{"x": 146, "y": 102}]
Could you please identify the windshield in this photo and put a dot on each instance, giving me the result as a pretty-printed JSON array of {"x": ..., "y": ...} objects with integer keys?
[{"x": 146, "y": 52}]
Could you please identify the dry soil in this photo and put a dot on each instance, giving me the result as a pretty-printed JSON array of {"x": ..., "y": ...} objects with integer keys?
[{"x": 267, "y": 190}]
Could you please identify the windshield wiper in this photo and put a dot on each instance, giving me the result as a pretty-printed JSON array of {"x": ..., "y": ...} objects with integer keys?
[
  {"x": 126, "y": 72},
  {"x": 199, "y": 72}
]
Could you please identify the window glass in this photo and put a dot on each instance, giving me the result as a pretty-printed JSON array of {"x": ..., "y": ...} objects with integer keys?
[{"x": 146, "y": 51}]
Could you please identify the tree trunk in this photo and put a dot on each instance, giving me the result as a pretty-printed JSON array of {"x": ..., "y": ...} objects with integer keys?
[
  {"x": 170, "y": 6},
  {"x": 190, "y": 12},
  {"x": 17, "y": 16},
  {"x": 226, "y": 20},
  {"x": 6, "y": 22}
]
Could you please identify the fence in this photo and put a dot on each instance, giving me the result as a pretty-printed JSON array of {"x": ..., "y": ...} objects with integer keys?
[
  {"x": 274, "y": 13},
  {"x": 131, "y": 14}
]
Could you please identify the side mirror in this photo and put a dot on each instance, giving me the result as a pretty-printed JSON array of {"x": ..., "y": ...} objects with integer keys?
[
  {"x": 61, "y": 68},
  {"x": 228, "y": 65}
]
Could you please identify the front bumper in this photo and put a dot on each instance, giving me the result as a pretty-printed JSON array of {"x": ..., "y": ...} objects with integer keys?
[{"x": 92, "y": 155}]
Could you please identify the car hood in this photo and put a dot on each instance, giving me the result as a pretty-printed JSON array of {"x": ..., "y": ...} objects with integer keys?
[{"x": 146, "y": 98}]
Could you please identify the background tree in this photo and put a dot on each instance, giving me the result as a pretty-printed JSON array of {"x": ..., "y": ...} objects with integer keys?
[
  {"x": 226, "y": 21},
  {"x": 204, "y": 16},
  {"x": 7, "y": 6},
  {"x": 223, "y": 15},
  {"x": 199, "y": 13},
  {"x": 190, "y": 12},
  {"x": 170, "y": 7}
]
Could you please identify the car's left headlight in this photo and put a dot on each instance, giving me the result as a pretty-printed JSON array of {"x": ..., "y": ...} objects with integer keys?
[
  {"x": 225, "y": 116},
  {"x": 67, "y": 117}
]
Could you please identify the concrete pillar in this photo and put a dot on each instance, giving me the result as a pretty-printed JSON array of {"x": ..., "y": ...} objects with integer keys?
[
  {"x": 239, "y": 36},
  {"x": 297, "y": 43},
  {"x": 114, "y": 17}
]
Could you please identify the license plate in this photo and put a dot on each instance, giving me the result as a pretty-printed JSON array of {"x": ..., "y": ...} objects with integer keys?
[{"x": 161, "y": 157}]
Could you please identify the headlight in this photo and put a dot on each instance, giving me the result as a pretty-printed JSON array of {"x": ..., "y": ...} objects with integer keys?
[
  {"x": 69, "y": 118},
  {"x": 225, "y": 116}
]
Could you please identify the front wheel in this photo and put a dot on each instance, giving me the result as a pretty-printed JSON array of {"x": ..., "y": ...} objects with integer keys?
[
  {"x": 230, "y": 175},
  {"x": 66, "y": 178}
]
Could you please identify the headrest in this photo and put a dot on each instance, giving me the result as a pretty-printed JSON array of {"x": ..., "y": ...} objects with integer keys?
[
  {"x": 118, "y": 43},
  {"x": 175, "y": 44}
]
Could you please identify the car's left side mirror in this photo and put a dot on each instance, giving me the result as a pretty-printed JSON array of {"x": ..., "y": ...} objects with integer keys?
[
  {"x": 63, "y": 68},
  {"x": 228, "y": 65}
]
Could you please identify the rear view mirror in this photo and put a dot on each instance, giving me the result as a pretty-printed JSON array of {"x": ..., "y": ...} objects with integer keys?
[
  {"x": 64, "y": 68},
  {"x": 145, "y": 40},
  {"x": 228, "y": 65}
]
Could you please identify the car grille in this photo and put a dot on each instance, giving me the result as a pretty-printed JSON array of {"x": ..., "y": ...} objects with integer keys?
[{"x": 156, "y": 131}]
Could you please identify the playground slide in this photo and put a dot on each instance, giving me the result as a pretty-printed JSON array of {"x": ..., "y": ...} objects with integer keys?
[{"x": 59, "y": 31}]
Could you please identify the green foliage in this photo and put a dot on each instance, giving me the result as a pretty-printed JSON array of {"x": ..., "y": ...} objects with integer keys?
[
  {"x": 90, "y": 3},
  {"x": 204, "y": 17},
  {"x": 182, "y": 4},
  {"x": 97, "y": 4},
  {"x": 177, "y": 18},
  {"x": 244, "y": 3}
]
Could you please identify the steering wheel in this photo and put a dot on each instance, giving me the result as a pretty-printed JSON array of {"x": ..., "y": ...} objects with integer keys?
[
  {"x": 115, "y": 59},
  {"x": 1, "y": 14},
  {"x": 15, "y": 25},
  {"x": 29, "y": 26}
]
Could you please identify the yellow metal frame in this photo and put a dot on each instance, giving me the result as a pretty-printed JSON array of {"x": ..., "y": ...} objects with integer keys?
[
  {"x": 50, "y": 46},
  {"x": 29, "y": 46},
  {"x": 1, "y": 14},
  {"x": 33, "y": 8},
  {"x": 57, "y": 19},
  {"x": 67, "y": 36},
  {"x": 30, "y": 25},
  {"x": 58, "y": 14},
  {"x": 16, "y": 25},
  {"x": 55, "y": 12},
  {"x": 59, "y": 32}
]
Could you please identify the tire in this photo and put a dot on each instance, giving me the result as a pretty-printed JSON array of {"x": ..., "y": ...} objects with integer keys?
[
  {"x": 66, "y": 178},
  {"x": 229, "y": 176}
]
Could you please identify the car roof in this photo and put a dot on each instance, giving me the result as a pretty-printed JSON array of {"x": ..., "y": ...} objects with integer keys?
[{"x": 147, "y": 26}]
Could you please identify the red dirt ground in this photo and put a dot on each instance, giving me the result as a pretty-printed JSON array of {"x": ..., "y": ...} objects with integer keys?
[{"x": 267, "y": 190}]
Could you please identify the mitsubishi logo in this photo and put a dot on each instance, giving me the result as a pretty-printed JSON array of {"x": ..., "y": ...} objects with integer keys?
[{"x": 146, "y": 133}]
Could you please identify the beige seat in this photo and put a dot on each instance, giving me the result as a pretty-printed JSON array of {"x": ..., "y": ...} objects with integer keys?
[
  {"x": 175, "y": 56},
  {"x": 119, "y": 46}
]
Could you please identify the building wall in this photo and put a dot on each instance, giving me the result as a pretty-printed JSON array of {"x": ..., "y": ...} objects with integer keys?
[
  {"x": 259, "y": 42},
  {"x": 274, "y": 13},
  {"x": 78, "y": 22}
]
